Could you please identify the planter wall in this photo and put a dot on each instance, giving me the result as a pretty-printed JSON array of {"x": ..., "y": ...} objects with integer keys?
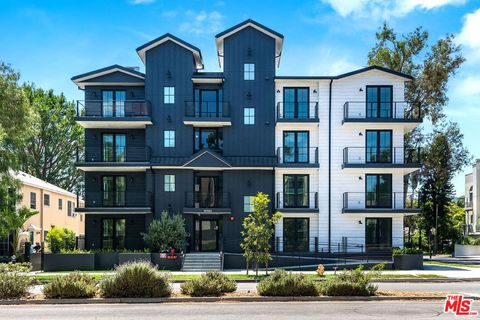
[
  {"x": 106, "y": 260},
  {"x": 466, "y": 250},
  {"x": 166, "y": 264},
  {"x": 68, "y": 261},
  {"x": 36, "y": 261},
  {"x": 130, "y": 257},
  {"x": 408, "y": 262}
]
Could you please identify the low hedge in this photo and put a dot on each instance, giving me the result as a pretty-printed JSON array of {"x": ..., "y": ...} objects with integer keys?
[
  {"x": 282, "y": 283},
  {"x": 398, "y": 251},
  {"x": 136, "y": 280},
  {"x": 351, "y": 283},
  {"x": 209, "y": 284},
  {"x": 14, "y": 280},
  {"x": 73, "y": 285}
]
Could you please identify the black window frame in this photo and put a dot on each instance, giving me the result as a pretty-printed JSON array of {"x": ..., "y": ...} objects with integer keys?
[
  {"x": 296, "y": 205},
  {"x": 46, "y": 199},
  {"x": 33, "y": 200},
  {"x": 70, "y": 208},
  {"x": 380, "y": 204},
  {"x": 296, "y": 102},
  {"x": 60, "y": 204},
  {"x": 114, "y": 146},
  {"x": 379, "y": 102},
  {"x": 296, "y": 245},
  {"x": 296, "y": 153},
  {"x": 378, "y": 246},
  {"x": 219, "y": 131},
  {"x": 114, "y": 233},
  {"x": 114, "y": 101},
  {"x": 378, "y": 147},
  {"x": 115, "y": 191}
]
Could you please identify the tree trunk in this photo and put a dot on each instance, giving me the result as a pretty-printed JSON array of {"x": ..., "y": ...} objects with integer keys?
[
  {"x": 247, "y": 262},
  {"x": 420, "y": 238},
  {"x": 266, "y": 266}
]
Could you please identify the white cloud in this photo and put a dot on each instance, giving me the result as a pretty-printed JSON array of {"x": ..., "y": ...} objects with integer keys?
[
  {"x": 135, "y": 2},
  {"x": 469, "y": 35},
  {"x": 202, "y": 22},
  {"x": 382, "y": 9},
  {"x": 468, "y": 86}
]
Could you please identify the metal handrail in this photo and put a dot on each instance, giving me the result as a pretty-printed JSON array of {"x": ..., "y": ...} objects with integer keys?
[
  {"x": 297, "y": 155},
  {"x": 110, "y": 199},
  {"x": 311, "y": 198},
  {"x": 307, "y": 114},
  {"x": 380, "y": 200},
  {"x": 113, "y": 109},
  {"x": 114, "y": 154},
  {"x": 207, "y": 199},
  {"x": 393, "y": 110},
  {"x": 393, "y": 155},
  {"x": 207, "y": 109}
]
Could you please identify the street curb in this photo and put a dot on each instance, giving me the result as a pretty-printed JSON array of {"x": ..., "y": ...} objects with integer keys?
[
  {"x": 217, "y": 299},
  {"x": 389, "y": 280}
]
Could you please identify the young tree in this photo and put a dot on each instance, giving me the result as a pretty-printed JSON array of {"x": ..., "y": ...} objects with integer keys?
[
  {"x": 49, "y": 152},
  {"x": 258, "y": 230},
  {"x": 165, "y": 233}
]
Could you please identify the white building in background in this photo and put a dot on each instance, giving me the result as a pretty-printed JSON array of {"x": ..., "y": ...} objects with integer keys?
[{"x": 472, "y": 185}]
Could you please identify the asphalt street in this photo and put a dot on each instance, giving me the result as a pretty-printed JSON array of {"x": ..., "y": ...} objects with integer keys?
[{"x": 232, "y": 311}]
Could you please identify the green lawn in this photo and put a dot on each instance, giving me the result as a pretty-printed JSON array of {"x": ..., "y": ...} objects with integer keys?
[{"x": 453, "y": 264}]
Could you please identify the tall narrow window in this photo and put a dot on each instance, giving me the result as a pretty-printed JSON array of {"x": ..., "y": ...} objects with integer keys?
[
  {"x": 296, "y": 234},
  {"x": 60, "y": 204},
  {"x": 169, "y": 139},
  {"x": 249, "y": 71},
  {"x": 113, "y": 103},
  {"x": 46, "y": 200},
  {"x": 208, "y": 138},
  {"x": 379, "y": 101},
  {"x": 33, "y": 200},
  {"x": 378, "y": 146},
  {"x": 169, "y": 183},
  {"x": 295, "y": 191},
  {"x": 378, "y": 193},
  {"x": 69, "y": 208},
  {"x": 168, "y": 95},
  {"x": 114, "y": 188},
  {"x": 113, "y": 234},
  {"x": 378, "y": 233},
  {"x": 295, "y": 103},
  {"x": 114, "y": 147},
  {"x": 295, "y": 147},
  {"x": 248, "y": 115},
  {"x": 248, "y": 204}
]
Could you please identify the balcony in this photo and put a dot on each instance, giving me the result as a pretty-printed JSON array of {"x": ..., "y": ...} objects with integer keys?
[
  {"x": 375, "y": 157},
  {"x": 375, "y": 202},
  {"x": 297, "y": 112},
  {"x": 128, "y": 114},
  {"x": 297, "y": 157},
  {"x": 117, "y": 202},
  {"x": 207, "y": 114},
  {"x": 207, "y": 203},
  {"x": 307, "y": 202},
  {"x": 113, "y": 158},
  {"x": 373, "y": 112}
]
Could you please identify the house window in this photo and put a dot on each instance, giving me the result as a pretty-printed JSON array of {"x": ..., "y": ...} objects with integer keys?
[
  {"x": 249, "y": 71},
  {"x": 169, "y": 183},
  {"x": 296, "y": 234},
  {"x": 295, "y": 146},
  {"x": 114, "y": 191},
  {"x": 113, "y": 103},
  {"x": 168, "y": 95},
  {"x": 248, "y": 115},
  {"x": 379, "y": 101},
  {"x": 378, "y": 146},
  {"x": 114, "y": 147},
  {"x": 113, "y": 234},
  {"x": 295, "y": 191},
  {"x": 33, "y": 200},
  {"x": 248, "y": 204},
  {"x": 169, "y": 139},
  {"x": 208, "y": 138},
  {"x": 69, "y": 208},
  {"x": 378, "y": 191},
  {"x": 295, "y": 103},
  {"x": 46, "y": 200},
  {"x": 60, "y": 204},
  {"x": 378, "y": 233}
]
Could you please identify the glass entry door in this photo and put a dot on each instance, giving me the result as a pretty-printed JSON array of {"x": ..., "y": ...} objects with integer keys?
[
  {"x": 295, "y": 191},
  {"x": 295, "y": 146},
  {"x": 378, "y": 233},
  {"x": 378, "y": 191},
  {"x": 113, "y": 234},
  {"x": 207, "y": 191},
  {"x": 207, "y": 103},
  {"x": 113, "y": 103},
  {"x": 379, "y": 102},
  {"x": 206, "y": 234},
  {"x": 295, "y": 234},
  {"x": 295, "y": 103},
  {"x": 379, "y": 146}
]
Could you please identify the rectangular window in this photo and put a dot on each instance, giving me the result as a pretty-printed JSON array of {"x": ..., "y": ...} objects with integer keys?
[
  {"x": 378, "y": 191},
  {"x": 113, "y": 234},
  {"x": 60, "y": 204},
  {"x": 249, "y": 71},
  {"x": 379, "y": 101},
  {"x": 295, "y": 191},
  {"x": 114, "y": 147},
  {"x": 69, "y": 208},
  {"x": 378, "y": 233},
  {"x": 296, "y": 234},
  {"x": 113, "y": 103},
  {"x": 169, "y": 139},
  {"x": 114, "y": 189},
  {"x": 378, "y": 146},
  {"x": 295, "y": 146},
  {"x": 248, "y": 115},
  {"x": 295, "y": 103},
  {"x": 168, "y": 95},
  {"x": 169, "y": 183},
  {"x": 248, "y": 204},
  {"x": 208, "y": 138},
  {"x": 46, "y": 200},
  {"x": 33, "y": 200}
]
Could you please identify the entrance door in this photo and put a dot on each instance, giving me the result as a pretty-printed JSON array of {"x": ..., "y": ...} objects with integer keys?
[
  {"x": 207, "y": 103},
  {"x": 295, "y": 234},
  {"x": 378, "y": 233},
  {"x": 379, "y": 146},
  {"x": 207, "y": 195},
  {"x": 379, "y": 101},
  {"x": 206, "y": 234}
]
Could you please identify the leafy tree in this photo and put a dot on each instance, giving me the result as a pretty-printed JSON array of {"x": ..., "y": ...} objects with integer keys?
[
  {"x": 49, "y": 152},
  {"x": 165, "y": 233},
  {"x": 60, "y": 239},
  {"x": 258, "y": 230}
]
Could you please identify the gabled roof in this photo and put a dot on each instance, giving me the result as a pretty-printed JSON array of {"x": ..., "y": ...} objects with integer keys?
[
  {"x": 197, "y": 54},
  {"x": 27, "y": 179},
  {"x": 206, "y": 158},
  {"x": 82, "y": 79},
  {"x": 219, "y": 38},
  {"x": 348, "y": 74}
]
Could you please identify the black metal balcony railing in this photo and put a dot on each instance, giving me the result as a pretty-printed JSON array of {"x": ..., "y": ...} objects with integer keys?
[
  {"x": 297, "y": 155},
  {"x": 113, "y": 109},
  {"x": 297, "y": 110},
  {"x": 468, "y": 204},
  {"x": 107, "y": 199},
  {"x": 372, "y": 155},
  {"x": 207, "y": 199},
  {"x": 207, "y": 109},
  {"x": 385, "y": 110},
  {"x": 114, "y": 154},
  {"x": 297, "y": 201},
  {"x": 378, "y": 200}
]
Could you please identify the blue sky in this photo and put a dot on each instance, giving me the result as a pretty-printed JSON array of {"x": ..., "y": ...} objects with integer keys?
[{"x": 50, "y": 41}]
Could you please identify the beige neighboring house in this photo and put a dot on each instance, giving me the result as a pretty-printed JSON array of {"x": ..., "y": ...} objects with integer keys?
[
  {"x": 472, "y": 199},
  {"x": 55, "y": 207}
]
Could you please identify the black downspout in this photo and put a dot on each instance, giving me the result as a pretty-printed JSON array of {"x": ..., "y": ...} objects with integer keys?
[
  {"x": 153, "y": 192},
  {"x": 330, "y": 166}
]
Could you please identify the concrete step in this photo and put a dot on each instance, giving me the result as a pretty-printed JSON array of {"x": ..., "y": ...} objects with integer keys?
[{"x": 202, "y": 262}]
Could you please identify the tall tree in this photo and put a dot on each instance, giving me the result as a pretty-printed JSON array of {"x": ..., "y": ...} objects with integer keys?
[{"x": 49, "y": 153}]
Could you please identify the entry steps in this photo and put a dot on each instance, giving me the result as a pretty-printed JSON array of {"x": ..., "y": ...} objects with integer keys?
[{"x": 202, "y": 262}]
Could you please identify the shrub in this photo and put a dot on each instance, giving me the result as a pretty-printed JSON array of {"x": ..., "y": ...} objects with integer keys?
[
  {"x": 14, "y": 280},
  {"x": 470, "y": 240},
  {"x": 398, "y": 251},
  {"x": 135, "y": 279},
  {"x": 60, "y": 239},
  {"x": 212, "y": 283},
  {"x": 168, "y": 232},
  {"x": 73, "y": 285},
  {"x": 282, "y": 283},
  {"x": 352, "y": 283},
  {"x": 321, "y": 270}
]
